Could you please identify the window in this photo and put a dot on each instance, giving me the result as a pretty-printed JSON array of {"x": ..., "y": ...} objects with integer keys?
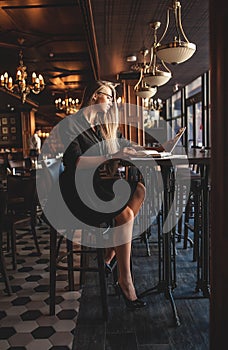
[{"x": 194, "y": 87}]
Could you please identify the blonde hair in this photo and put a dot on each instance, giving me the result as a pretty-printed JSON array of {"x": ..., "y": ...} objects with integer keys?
[{"x": 108, "y": 121}]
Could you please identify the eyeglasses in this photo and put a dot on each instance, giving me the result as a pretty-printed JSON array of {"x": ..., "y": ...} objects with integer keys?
[{"x": 110, "y": 98}]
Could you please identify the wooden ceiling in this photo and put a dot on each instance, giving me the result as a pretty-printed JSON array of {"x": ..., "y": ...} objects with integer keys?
[{"x": 72, "y": 42}]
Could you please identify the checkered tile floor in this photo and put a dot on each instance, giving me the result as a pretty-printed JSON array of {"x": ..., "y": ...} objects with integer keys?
[{"x": 24, "y": 316}]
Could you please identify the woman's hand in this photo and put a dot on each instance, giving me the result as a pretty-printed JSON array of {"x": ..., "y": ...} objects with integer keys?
[
  {"x": 129, "y": 150},
  {"x": 125, "y": 152}
]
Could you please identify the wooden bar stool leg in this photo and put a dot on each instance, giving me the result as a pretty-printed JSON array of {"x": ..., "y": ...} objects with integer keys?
[
  {"x": 13, "y": 247},
  {"x": 3, "y": 270},
  {"x": 83, "y": 265},
  {"x": 196, "y": 226},
  {"x": 53, "y": 250},
  {"x": 33, "y": 229},
  {"x": 70, "y": 263},
  {"x": 103, "y": 285},
  {"x": 186, "y": 223},
  {"x": 180, "y": 212}
]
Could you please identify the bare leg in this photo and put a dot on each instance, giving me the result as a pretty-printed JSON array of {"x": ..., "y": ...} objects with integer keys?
[
  {"x": 124, "y": 228},
  {"x": 134, "y": 204},
  {"x": 109, "y": 254},
  {"x": 137, "y": 199}
]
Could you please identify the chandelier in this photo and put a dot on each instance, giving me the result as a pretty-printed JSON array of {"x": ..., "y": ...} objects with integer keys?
[
  {"x": 21, "y": 85},
  {"x": 68, "y": 105},
  {"x": 156, "y": 73},
  {"x": 152, "y": 74},
  {"x": 180, "y": 49},
  {"x": 141, "y": 88},
  {"x": 153, "y": 104},
  {"x": 145, "y": 91}
]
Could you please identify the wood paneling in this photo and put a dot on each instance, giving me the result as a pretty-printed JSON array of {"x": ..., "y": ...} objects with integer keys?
[{"x": 219, "y": 161}]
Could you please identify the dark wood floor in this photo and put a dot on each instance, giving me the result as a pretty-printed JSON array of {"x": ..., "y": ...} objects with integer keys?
[{"x": 152, "y": 328}]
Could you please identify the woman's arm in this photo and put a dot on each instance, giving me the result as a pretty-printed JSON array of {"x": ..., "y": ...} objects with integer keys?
[
  {"x": 85, "y": 162},
  {"x": 125, "y": 143}
]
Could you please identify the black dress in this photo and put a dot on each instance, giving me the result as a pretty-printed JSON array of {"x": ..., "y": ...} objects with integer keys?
[{"x": 88, "y": 195}]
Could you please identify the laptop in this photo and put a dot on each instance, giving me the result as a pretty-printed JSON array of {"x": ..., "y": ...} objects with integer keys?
[{"x": 168, "y": 146}]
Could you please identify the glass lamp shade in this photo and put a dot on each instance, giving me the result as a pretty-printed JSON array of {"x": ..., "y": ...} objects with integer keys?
[
  {"x": 146, "y": 92},
  {"x": 157, "y": 79},
  {"x": 176, "y": 52}
]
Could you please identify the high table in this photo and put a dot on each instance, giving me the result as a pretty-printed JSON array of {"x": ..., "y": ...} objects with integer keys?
[{"x": 167, "y": 261}]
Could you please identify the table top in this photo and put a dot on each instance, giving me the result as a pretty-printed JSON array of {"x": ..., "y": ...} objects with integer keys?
[{"x": 193, "y": 156}]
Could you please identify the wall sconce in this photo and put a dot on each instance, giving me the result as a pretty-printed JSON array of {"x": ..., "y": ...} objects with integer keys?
[
  {"x": 176, "y": 87},
  {"x": 180, "y": 49}
]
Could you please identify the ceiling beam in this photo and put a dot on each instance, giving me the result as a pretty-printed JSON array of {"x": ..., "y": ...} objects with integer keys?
[{"x": 86, "y": 10}]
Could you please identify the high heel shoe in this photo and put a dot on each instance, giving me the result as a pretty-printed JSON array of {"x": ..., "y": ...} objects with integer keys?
[
  {"x": 108, "y": 269},
  {"x": 131, "y": 304}
]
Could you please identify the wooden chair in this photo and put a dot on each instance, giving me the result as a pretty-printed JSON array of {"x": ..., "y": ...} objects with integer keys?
[
  {"x": 20, "y": 209},
  {"x": 20, "y": 166},
  {"x": 3, "y": 269}
]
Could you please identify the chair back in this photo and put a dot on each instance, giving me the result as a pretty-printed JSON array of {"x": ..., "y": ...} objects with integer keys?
[
  {"x": 48, "y": 176},
  {"x": 20, "y": 166},
  {"x": 21, "y": 191},
  {"x": 17, "y": 164},
  {"x": 3, "y": 204},
  {"x": 47, "y": 188}
]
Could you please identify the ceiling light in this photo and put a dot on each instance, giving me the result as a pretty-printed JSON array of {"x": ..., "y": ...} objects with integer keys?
[
  {"x": 157, "y": 78},
  {"x": 156, "y": 73},
  {"x": 141, "y": 88},
  {"x": 21, "y": 85},
  {"x": 154, "y": 104},
  {"x": 145, "y": 91},
  {"x": 180, "y": 49},
  {"x": 67, "y": 105}
]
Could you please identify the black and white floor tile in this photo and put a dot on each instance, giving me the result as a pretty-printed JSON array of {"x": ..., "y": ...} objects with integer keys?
[{"x": 24, "y": 316}]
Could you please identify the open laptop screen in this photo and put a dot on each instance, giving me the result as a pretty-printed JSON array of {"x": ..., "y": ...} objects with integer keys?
[{"x": 171, "y": 144}]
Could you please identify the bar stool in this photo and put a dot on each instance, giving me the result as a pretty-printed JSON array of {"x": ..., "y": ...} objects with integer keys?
[
  {"x": 56, "y": 264},
  {"x": 149, "y": 176},
  {"x": 189, "y": 204},
  {"x": 58, "y": 235}
]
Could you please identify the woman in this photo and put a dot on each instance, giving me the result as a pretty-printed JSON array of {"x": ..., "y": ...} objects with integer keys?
[{"x": 94, "y": 142}]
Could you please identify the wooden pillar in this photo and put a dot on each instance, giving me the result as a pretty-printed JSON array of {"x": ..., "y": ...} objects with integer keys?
[
  {"x": 133, "y": 116},
  {"x": 219, "y": 174},
  {"x": 124, "y": 111},
  {"x": 28, "y": 128}
]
